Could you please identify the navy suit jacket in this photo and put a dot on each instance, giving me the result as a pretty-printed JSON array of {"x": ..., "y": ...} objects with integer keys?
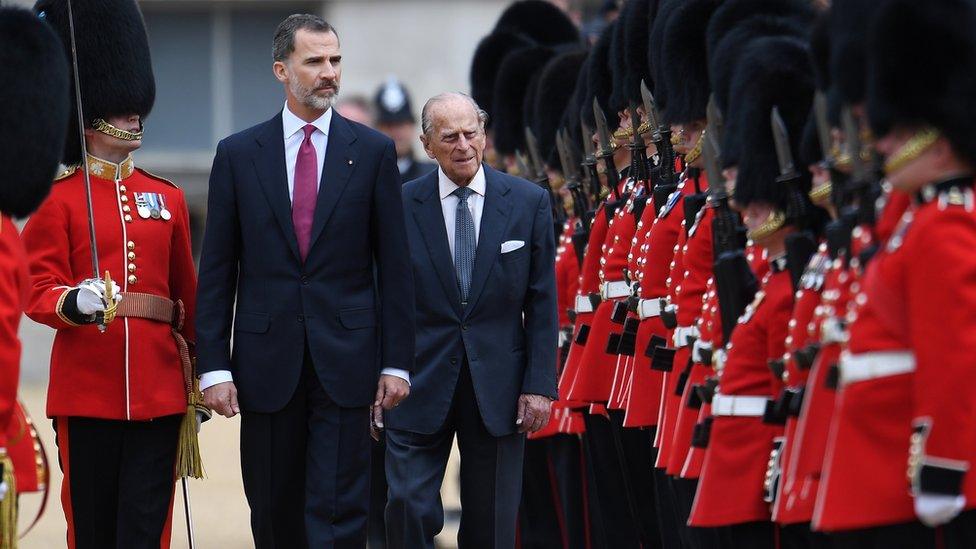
[
  {"x": 508, "y": 330},
  {"x": 351, "y": 302}
]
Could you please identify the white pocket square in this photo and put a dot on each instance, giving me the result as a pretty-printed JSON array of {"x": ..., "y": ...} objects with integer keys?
[{"x": 512, "y": 245}]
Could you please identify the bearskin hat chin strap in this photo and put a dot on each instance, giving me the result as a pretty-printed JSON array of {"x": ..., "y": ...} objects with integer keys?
[
  {"x": 773, "y": 223},
  {"x": 912, "y": 149},
  {"x": 100, "y": 125}
]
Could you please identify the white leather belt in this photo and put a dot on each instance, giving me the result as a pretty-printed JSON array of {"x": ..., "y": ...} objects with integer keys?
[
  {"x": 613, "y": 290},
  {"x": 698, "y": 347},
  {"x": 650, "y": 308},
  {"x": 583, "y": 304},
  {"x": 832, "y": 331},
  {"x": 865, "y": 366},
  {"x": 682, "y": 334},
  {"x": 738, "y": 406}
]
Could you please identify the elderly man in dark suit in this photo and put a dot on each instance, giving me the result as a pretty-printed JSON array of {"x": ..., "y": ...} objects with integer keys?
[
  {"x": 483, "y": 262},
  {"x": 305, "y": 253}
]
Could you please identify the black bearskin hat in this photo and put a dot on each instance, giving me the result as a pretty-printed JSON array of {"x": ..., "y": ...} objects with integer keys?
[
  {"x": 618, "y": 69},
  {"x": 773, "y": 72},
  {"x": 539, "y": 20},
  {"x": 733, "y": 12},
  {"x": 599, "y": 78},
  {"x": 488, "y": 57},
  {"x": 848, "y": 26},
  {"x": 571, "y": 114},
  {"x": 929, "y": 80},
  {"x": 810, "y": 150},
  {"x": 34, "y": 115},
  {"x": 637, "y": 31},
  {"x": 655, "y": 46},
  {"x": 511, "y": 85},
  {"x": 553, "y": 96},
  {"x": 686, "y": 77},
  {"x": 114, "y": 65}
]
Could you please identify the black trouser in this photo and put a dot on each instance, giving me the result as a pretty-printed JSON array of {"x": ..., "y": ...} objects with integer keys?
[
  {"x": 566, "y": 454},
  {"x": 617, "y": 522},
  {"x": 377, "y": 494},
  {"x": 692, "y": 537},
  {"x": 540, "y": 519},
  {"x": 637, "y": 455},
  {"x": 306, "y": 470},
  {"x": 799, "y": 536},
  {"x": 491, "y": 479},
  {"x": 666, "y": 503},
  {"x": 118, "y": 482},
  {"x": 960, "y": 533},
  {"x": 749, "y": 535}
]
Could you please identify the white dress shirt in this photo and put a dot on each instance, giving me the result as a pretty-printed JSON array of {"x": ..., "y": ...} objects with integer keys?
[
  {"x": 449, "y": 202},
  {"x": 293, "y": 127}
]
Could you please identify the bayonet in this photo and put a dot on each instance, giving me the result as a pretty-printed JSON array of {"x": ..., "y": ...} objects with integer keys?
[
  {"x": 522, "y": 165},
  {"x": 590, "y": 172},
  {"x": 654, "y": 126},
  {"x": 781, "y": 139},
  {"x": 716, "y": 125},
  {"x": 823, "y": 126},
  {"x": 605, "y": 150},
  {"x": 536, "y": 164},
  {"x": 638, "y": 149},
  {"x": 852, "y": 138}
]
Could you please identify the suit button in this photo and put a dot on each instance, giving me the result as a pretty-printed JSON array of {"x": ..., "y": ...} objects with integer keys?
[
  {"x": 301, "y": 318},
  {"x": 453, "y": 360},
  {"x": 464, "y": 327},
  {"x": 304, "y": 280}
]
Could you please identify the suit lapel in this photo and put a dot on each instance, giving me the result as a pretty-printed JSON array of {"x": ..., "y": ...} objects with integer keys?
[
  {"x": 494, "y": 221},
  {"x": 269, "y": 164},
  {"x": 430, "y": 218},
  {"x": 340, "y": 161}
]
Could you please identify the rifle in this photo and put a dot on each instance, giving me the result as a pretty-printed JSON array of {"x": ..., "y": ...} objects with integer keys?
[
  {"x": 538, "y": 170},
  {"x": 606, "y": 150},
  {"x": 800, "y": 245},
  {"x": 735, "y": 283},
  {"x": 666, "y": 182},
  {"x": 588, "y": 163},
  {"x": 581, "y": 232}
]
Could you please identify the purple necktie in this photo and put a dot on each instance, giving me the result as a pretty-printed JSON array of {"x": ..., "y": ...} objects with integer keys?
[{"x": 305, "y": 192}]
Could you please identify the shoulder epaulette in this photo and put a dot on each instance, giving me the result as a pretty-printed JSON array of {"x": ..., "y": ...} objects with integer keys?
[
  {"x": 145, "y": 172},
  {"x": 68, "y": 172}
]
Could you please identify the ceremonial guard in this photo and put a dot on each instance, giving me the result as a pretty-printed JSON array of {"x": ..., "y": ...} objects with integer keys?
[
  {"x": 34, "y": 100},
  {"x": 121, "y": 389},
  {"x": 904, "y": 400}
]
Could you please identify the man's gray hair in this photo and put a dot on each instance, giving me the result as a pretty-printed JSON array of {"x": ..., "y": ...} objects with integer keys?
[
  {"x": 426, "y": 124},
  {"x": 284, "y": 38}
]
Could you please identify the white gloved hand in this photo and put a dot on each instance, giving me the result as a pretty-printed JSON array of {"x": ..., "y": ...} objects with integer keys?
[
  {"x": 91, "y": 297},
  {"x": 3, "y": 490},
  {"x": 937, "y": 509}
]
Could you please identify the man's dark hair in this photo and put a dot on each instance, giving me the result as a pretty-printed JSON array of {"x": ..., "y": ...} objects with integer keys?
[{"x": 284, "y": 38}]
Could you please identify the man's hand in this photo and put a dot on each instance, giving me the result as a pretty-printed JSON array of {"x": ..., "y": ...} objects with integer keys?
[
  {"x": 389, "y": 392},
  {"x": 90, "y": 298},
  {"x": 222, "y": 398},
  {"x": 533, "y": 413}
]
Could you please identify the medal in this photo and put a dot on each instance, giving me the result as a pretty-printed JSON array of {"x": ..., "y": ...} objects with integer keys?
[
  {"x": 163, "y": 212},
  {"x": 153, "y": 205},
  {"x": 142, "y": 206}
]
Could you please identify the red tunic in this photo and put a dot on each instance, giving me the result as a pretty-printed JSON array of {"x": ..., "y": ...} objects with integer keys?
[
  {"x": 655, "y": 255},
  {"x": 572, "y": 381},
  {"x": 133, "y": 370},
  {"x": 802, "y": 332},
  {"x": 730, "y": 489},
  {"x": 13, "y": 296},
  {"x": 904, "y": 307}
]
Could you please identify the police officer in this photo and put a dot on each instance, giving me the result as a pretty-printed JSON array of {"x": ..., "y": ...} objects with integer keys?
[
  {"x": 394, "y": 117},
  {"x": 119, "y": 387}
]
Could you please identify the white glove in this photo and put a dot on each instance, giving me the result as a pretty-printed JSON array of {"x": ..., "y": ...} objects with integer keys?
[
  {"x": 3, "y": 490},
  {"x": 937, "y": 509},
  {"x": 91, "y": 296}
]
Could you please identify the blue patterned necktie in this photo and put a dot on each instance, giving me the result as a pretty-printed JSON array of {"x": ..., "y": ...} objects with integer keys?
[{"x": 464, "y": 244}]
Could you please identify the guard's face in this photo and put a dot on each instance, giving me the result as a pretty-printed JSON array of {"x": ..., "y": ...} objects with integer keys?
[
  {"x": 754, "y": 215},
  {"x": 917, "y": 172},
  {"x": 686, "y": 136},
  {"x": 312, "y": 72},
  {"x": 456, "y": 140},
  {"x": 103, "y": 142}
]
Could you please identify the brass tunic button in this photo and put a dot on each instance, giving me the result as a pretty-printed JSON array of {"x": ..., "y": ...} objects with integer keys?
[
  {"x": 132, "y": 279},
  {"x": 131, "y": 256},
  {"x": 126, "y": 209},
  {"x": 122, "y": 188},
  {"x": 132, "y": 267},
  {"x": 131, "y": 245},
  {"x": 128, "y": 218},
  {"x": 123, "y": 199}
]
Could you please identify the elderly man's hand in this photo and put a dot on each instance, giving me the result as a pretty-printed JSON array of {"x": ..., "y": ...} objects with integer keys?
[
  {"x": 222, "y": 398},
  {"x": 533, "y": 412}
]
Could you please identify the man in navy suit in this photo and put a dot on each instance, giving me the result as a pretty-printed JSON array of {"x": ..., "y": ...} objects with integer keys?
[
  {"x": 485, "y": 369},
  {"x": 305, "y": 253}
]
